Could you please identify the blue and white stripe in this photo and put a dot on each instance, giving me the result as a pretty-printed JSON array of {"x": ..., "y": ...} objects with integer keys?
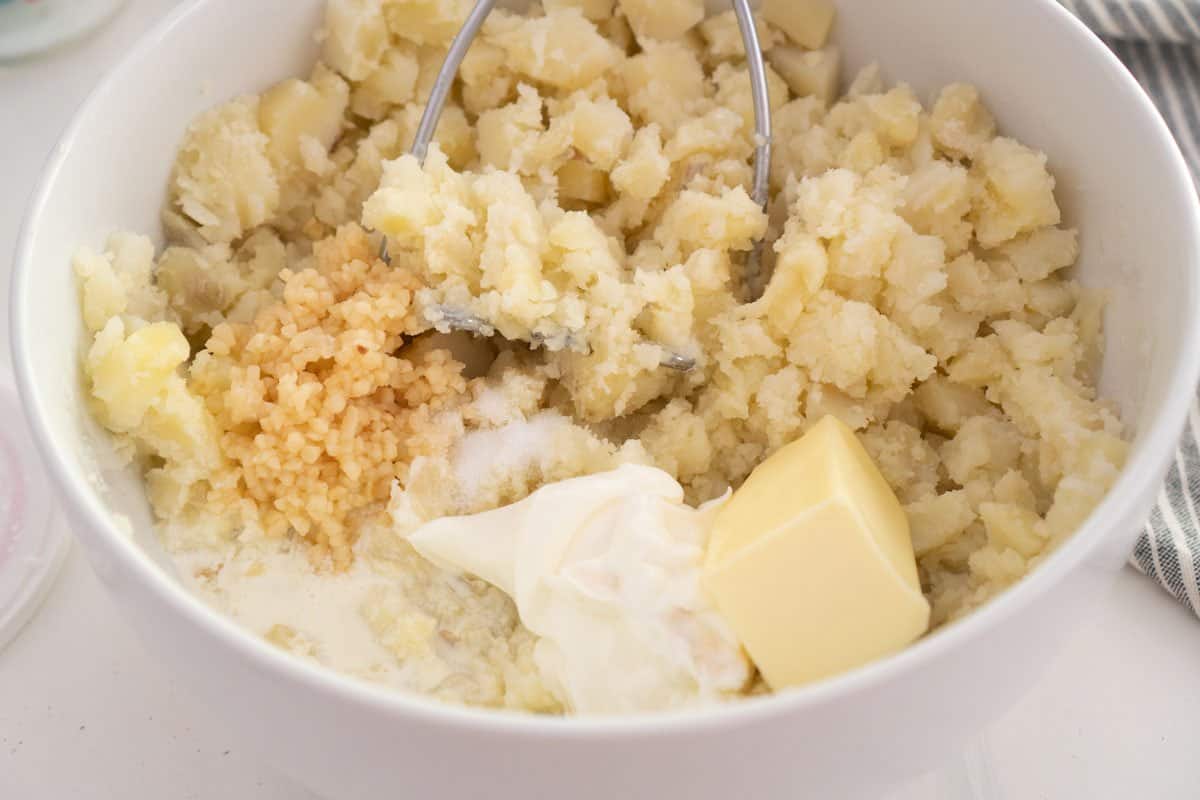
[{"x": 1159, "y": 40}]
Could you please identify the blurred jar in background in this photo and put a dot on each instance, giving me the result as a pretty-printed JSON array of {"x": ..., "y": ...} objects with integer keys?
[{"x": 28, "y": 27}]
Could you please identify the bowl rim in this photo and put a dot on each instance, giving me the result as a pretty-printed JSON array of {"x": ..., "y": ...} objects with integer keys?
[{"x": 1135, "y": 480}]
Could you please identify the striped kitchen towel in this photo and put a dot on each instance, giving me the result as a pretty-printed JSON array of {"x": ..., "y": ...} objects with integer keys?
[{"x": 1159, "y": 40}]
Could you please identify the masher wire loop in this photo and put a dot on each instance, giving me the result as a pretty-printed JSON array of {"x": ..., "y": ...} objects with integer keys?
[{"x": 762, "y": 132}]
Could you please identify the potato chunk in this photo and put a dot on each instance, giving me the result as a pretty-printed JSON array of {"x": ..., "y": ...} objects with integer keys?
[
  {"x": 664, "y": 82},
  {"x": 562, "y": 49},
  {"x": 293, "y": 110},
  {"x": 432, "y": 22},
  {"x": 1016, "y": 192},
  {"x": 595, "y": 10},
  {"x": 128, "y": 370},
  {"x": 224, "y": 181},
  {"x": 662, "y": 19},
  {"x": 808, "y": 73},
  {"x": 392, "y": 83},
  {"x": 356, "y": 36},
  {"x": 806, "y": 22},
  {"x": 960, "y": 122}
]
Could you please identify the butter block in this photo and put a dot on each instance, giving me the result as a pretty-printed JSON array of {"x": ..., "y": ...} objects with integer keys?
[{"x": 811, "y": 562}]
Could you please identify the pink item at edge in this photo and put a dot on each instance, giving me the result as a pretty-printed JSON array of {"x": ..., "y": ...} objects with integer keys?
[{"x": 31, "y": 548}]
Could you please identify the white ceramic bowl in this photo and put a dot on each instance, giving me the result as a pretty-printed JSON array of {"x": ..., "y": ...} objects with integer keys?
[{"x": 1052, "y": 84}]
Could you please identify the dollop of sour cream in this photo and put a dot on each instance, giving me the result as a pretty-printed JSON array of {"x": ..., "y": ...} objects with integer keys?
[{"x": 605, "y": 570}]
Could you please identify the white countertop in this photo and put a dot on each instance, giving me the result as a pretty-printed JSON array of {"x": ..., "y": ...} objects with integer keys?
[{"x": 85, "y": 711}]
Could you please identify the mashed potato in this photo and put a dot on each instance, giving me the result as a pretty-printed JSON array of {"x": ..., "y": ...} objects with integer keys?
[{"x": 280, "y": 385}]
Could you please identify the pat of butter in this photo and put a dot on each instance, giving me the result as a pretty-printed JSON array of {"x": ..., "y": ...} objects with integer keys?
[{"x": 811, "y": 563}]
